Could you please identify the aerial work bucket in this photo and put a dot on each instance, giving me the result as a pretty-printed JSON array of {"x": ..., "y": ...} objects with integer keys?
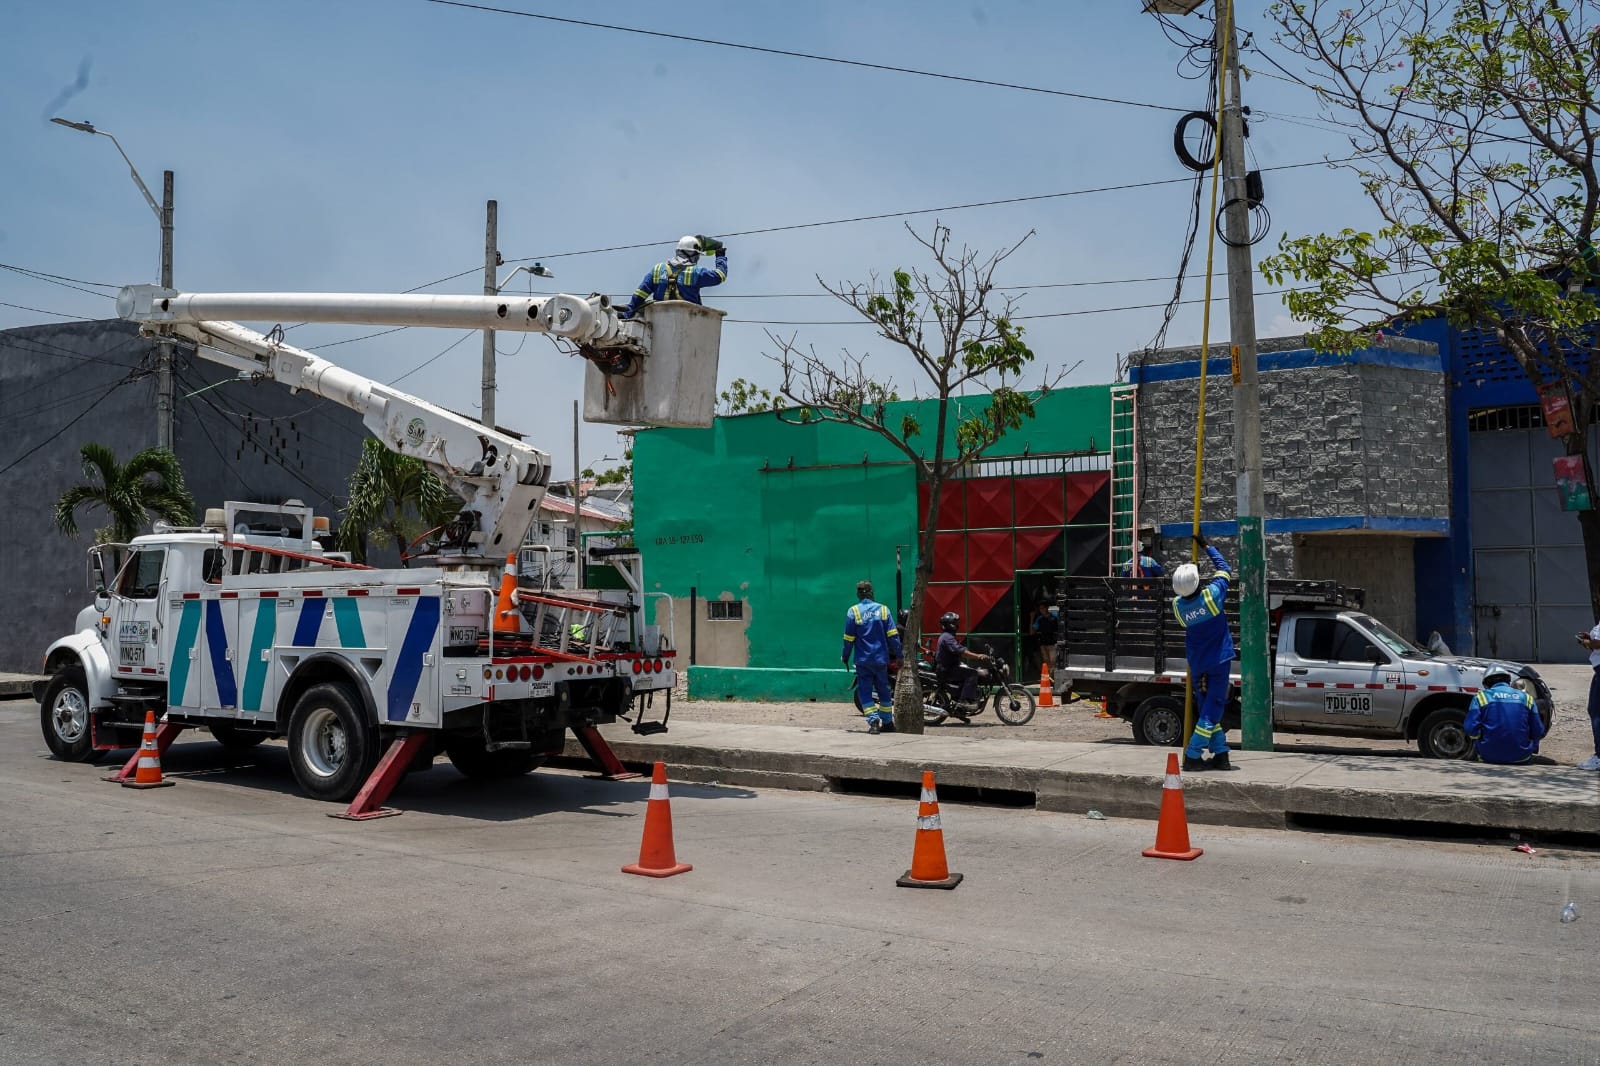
[{"x": 675, "y": 384}]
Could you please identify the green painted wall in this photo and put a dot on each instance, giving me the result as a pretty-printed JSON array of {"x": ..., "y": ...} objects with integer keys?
[{"x": 788, "y": 518}]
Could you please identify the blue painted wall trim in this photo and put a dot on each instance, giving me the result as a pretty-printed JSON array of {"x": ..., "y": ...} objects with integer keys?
[
  {"x": 1370, "y": 523},
  {"x": 1300, "y": 359}
]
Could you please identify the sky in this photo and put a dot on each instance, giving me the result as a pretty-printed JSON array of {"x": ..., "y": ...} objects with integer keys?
[{"x": 350, "y": 145}]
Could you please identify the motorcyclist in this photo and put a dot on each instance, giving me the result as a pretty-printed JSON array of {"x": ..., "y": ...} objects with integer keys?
[{"x": 951, "y": 657}]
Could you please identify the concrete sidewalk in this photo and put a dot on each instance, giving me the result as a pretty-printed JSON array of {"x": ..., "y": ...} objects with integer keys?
[{"x": 1270, "y": 789}]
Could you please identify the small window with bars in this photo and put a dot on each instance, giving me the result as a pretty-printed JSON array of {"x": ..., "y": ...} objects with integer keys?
[{"x": 724, "y": 610}]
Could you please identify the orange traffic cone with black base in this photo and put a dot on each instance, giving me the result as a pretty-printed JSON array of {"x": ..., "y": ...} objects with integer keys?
[
  {"x": 507, "y": 618},
  {"x": 1047, "y": 694},
  {"x": 928, "y": 866},
  {"x": 1172, "y": 829},
  {"x": 656, "y": 857},
  {"x": 148, "y": 774}
]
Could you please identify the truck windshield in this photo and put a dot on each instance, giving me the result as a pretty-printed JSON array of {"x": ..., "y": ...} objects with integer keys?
[{"x": 1390, "y": 639}]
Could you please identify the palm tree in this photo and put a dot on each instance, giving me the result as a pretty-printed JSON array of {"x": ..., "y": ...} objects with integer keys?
[
  {"x": 151, "y": 481},
  {"x": 393, "y": 495}
]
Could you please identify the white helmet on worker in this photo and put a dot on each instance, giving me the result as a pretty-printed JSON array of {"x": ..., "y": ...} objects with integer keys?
[
  {"x": 689, "y": 247},
  {"x": 1186, "y": 579}
]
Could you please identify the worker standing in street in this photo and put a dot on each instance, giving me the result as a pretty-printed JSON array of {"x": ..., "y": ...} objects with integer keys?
[
  {"x": 870, "y": 633},
  {"x": 682, "y": 277},
  {"x": 1208, "y": 648},
  {"x": 1503, "y": 721}
]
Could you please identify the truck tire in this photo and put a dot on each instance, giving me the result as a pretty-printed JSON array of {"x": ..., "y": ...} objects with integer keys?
[
  {"x": 64, "y": 715},
  {"x": 233, "y": 738},
  {"x": 332, "y": 747},
  {"x": 1159, "y": 721},
  {"x": 468, "y": 755},
  {"x": 1015, "y": 705},
  {"x": 1444, "y": 735}
]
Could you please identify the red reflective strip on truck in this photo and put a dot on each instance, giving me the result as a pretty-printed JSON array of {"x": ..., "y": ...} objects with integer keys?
[
  {"x": 1344, "y": 684},
  {"x": 191, "y": 595},
  {"x": 1315, "y": 684},
  {"x": 1406, "y": 688},
  {"x": 230, "y": 595},
  {"x": 408, "y": 592},
  {"x": 147, "y": 669},
  {"x": 1438, "y": 688},
  {"x": 1288, "y": 684},
  {"x": 312, "y": 592},
  {"x": 1373, "y": 684},
  {"x": 356, "y": 592},
  {"x": 269, "y": 595}
]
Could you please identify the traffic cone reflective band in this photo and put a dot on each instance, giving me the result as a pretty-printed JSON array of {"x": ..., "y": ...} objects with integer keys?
[
  {"x": 1047, "y": 695},
  {"x": 1172, "y": 830},
  {"x": 507, "y": 618},
  {"x": 148, "y": 774},
  {"x": 928, "y": 866},
  {"x": 656, "y": 857}
]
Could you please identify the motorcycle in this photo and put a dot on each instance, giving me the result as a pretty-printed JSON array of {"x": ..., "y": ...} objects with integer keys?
[{"x": 1013, "y": 704}]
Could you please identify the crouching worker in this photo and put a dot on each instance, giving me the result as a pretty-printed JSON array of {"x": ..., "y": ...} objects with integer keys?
[
  {"x": 875, "y": 640},
  {"x": 1208, "y": 647},
  {"x": 1503, "y": 722}
]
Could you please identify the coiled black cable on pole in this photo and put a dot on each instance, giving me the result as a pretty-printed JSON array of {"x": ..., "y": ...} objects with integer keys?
[{"x": 1182, "y": 149}]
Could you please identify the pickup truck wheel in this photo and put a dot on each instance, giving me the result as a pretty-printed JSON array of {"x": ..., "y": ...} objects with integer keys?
[
  {"x": 332, "y": 747},
  {"x": 1159, "y": 721},
  {"x": 1014, "y": 705},
  {"x": 233, "y": 738},
  {"x": 1444, "y": 735},
  {"x": 468, "y": 755},
  {"x": 64, "y": 715}
]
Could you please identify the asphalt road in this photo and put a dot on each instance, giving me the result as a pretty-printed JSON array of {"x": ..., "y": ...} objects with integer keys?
[{"x": 227, "y": 920}]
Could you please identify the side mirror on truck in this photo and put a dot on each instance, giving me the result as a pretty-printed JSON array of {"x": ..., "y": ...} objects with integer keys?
[{"x": 1373, "y": 655}]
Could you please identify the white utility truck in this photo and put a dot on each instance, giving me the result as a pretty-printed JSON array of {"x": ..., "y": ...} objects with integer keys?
[{"x": 250, "y": 627}]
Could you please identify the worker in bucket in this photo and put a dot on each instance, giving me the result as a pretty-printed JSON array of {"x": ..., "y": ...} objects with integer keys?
[
  {"x": 871, "y": 635},
  {"x": 1208, "y": 647},
  {"x": 682, "y": 277},
  {"x": 1503, "y": 721}
]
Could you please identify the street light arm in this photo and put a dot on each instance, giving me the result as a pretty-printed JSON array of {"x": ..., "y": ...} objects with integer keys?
[{"x": 137, "y": 180}]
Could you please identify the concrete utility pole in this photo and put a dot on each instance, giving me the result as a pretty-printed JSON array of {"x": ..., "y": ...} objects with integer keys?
[
  {"x": 491, "y": 263},
  {"x": 577, "y": 496},
  {"x": 1255, "y": 671},
  {"x": 164, "y": 343}
]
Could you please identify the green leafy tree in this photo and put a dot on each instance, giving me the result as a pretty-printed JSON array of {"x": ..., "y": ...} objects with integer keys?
[
  {"x": 393, "y": 496},
  {"x": 149, "y": 483},
  {"x": 1476, "y": 122},
  {"x": 617, "y": 475},
  {"x": 968, "y": 351}
]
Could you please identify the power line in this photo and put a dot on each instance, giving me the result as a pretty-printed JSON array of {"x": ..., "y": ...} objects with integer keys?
[
  {"x": 115, "y": 385},
  {"x": 62, "y": 280},
  {"x": 814, "y": 57},
  {"x": 43, "y": 311},
  {"x": 432, "y": 359}
]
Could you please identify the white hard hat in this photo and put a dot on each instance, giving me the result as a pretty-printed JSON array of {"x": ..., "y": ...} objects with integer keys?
[
  {"x": 688, "y": 245},
  {"x": 1186, "y": 579}
]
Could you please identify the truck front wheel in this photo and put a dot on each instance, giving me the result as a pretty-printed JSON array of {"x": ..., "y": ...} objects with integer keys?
[
  {"x": 64, "y": 715},
  {"x": 1159, "y": 721},
  {"x": 332, "y": 747},
  {"x": 1444, "y": 735}
]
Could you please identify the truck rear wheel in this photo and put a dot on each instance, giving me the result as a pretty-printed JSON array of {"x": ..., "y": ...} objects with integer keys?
[
  {"x": 467, "y": 754},
  {"x": 1444, "y": 735},
  {"x": 332, "y": 747},
  {"x": 64, "y": 715},
  {"x": 1159, "y": 721}
]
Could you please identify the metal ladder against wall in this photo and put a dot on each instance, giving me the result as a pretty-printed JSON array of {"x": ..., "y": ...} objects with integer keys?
[{"x": 1124, "y": 475}]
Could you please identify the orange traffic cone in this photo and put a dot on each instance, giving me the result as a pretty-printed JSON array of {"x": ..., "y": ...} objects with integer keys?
[
  {"x": 148, "y": 775},
  {"x": 1047, "y": 695},
  {"x": 928, "y": 866},
  {"x": 656, "y": 857},
  {"x": 1104, "y": 711},
  {"x": 507, "y": 617},
  {"x": 1172, "y": 830}
]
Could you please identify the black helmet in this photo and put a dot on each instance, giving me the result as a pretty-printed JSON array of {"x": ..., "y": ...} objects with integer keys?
[
  {"x": 864, "y": 589},
  {"x": 903, "y": 618},
  {"x": 1496, "y": 675},
  {"x": 949, "y": 621}
]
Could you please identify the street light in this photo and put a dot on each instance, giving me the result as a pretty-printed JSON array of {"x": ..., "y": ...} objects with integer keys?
[{"x": 163, "y": 213}]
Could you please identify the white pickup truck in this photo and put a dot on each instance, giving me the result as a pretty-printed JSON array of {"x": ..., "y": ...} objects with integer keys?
[{"x": 1335, "y": 669}]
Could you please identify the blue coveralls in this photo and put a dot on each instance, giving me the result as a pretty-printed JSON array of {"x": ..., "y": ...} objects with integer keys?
[
  {"x": 1506, "y": 725},
  {"x": 1148, "y": 567},
  {"x": 1208, "y": 646},
  {"x": 870, "y": 632},
  {"x": 677, "y": 280}
]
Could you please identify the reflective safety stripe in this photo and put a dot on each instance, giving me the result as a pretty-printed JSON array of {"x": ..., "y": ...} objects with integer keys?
[
  {"x": 930, "y": 821},
  {"x": 658, "y": 792},
  {"x": 929, "y": 796},
  {"x": 1174, "y": 781},
  {"x": 148, "y": 762}
]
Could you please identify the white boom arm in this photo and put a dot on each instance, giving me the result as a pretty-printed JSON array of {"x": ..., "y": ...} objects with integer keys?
[{"x": 501, "y": 479}]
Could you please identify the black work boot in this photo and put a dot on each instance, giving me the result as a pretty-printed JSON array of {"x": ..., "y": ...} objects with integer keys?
[
  {"x": 1220, "y": 762},
  {"x": 1193, "y": 765}
]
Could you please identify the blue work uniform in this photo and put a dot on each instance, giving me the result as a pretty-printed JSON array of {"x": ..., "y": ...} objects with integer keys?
[
  {"x": 1148, "y": 567},
  {"x": 677, "y": 280},
  {"x": 1208, "y": 646},
  {"x": 870, "y": 632},
  {"x": 1505, "y": 724}
]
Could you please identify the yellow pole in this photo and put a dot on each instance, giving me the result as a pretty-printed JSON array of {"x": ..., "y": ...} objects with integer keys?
[{"x": 1205, "y": 333}]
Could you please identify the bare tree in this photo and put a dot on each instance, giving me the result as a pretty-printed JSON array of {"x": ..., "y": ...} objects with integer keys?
[
  {"x": 969, "y": 355},
  {"x": 1476, "y": 124}
]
